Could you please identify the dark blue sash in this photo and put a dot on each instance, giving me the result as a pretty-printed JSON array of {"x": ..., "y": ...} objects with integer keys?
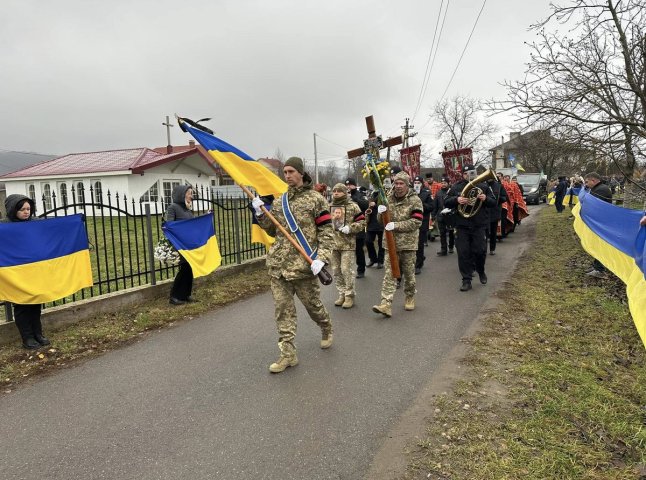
[{"x": 295, "y": 229}]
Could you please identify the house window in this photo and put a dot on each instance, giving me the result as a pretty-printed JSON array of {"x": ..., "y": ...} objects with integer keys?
[
  {"x": 169, "y": 185},
  {"x": 47, "y": 195},
  {"x": 98, "y": 191},
  {"x": 152, "y": 195},
  {"x": 80, "y": 192},
  {"x": 62, "y": 193},
  {"x": 31, "y": 191},
  {"x": 226, "y": 180}
]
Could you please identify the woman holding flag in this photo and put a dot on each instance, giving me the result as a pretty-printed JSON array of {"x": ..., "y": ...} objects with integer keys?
[
  {"x": 23, "y": 209},
  {"x": 181, "y": 209}
]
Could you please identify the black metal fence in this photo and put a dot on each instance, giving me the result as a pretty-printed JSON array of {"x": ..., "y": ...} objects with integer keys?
[{"x": 124, "y": 232}]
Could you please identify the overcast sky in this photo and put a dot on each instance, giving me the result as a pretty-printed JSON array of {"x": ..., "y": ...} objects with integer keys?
[{"x": 88, "y": 75}]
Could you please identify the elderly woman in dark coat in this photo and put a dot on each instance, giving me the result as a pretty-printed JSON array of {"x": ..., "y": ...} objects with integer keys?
[
  {"x": 178, "y": 210},
  {"x": 27, "y": 317}
]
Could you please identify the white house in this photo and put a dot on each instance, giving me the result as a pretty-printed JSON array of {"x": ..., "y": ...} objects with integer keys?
[{"x": 142, "y": 174}]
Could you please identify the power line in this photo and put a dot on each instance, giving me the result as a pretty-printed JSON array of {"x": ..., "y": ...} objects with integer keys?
[
  {"x": 464, "y": 50},
  {"x": 431, "y": 57},
  {"x": 334, "y": 143}
]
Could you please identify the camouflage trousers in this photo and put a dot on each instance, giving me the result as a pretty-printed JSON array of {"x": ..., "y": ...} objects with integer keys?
[
  {"x": 407, "y": 268},
  {"x": 308, "y": 292},
  {"x": 343, "y": 266}
]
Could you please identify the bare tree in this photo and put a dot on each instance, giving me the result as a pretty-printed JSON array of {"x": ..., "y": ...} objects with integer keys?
[
  {"x": 588, "y": 85},
  {"x": 461, "y": 121}
]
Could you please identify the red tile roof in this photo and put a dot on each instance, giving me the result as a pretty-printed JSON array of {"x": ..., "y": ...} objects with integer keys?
[{"x": 135, "y": 159}]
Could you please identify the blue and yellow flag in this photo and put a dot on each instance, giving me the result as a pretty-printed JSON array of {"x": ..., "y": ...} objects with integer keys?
[
  {"x": 244, "y": 170},
  {"x": 613, "y": 236},
  {"x": 43, "y": 260},
  {"x": 195, "y": 240}
]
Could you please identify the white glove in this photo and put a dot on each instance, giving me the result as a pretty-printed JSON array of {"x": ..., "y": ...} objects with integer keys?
[
  {"x": 382, "y": 208},
  {"x": 256, "y": 203},
  {"x": 344, "y": 229},
  {"x": 316, "y": 266},
  {"x": 390, "y": 226},
  {"x": 445, "y": 211}
]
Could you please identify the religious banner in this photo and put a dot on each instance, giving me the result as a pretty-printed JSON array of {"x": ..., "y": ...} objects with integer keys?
[
  {"x": 410, "y": 160},
  {"x": 454, "y": 162}
]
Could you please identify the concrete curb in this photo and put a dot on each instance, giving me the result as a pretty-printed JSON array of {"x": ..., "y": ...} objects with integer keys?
[{"x": 56, "y": 317}]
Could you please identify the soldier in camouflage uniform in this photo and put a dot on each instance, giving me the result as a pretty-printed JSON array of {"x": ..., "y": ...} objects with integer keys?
[
  {"x": 406, "y": 216},
  {"x": 347, "y": 220},
  {"x": 290, "y": 273}
]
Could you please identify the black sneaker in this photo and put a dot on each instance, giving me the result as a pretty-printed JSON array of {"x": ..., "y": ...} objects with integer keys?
[
  {"x": 380, "y": 265},
  {"x": 483, "y": 278},
  {"x": 176, "y": 301},
  {"x": 44, "y": 341},
  {"x": 465, "y": 286},
  {"x": 370, "y": 264},
  {"x": 450, "y": 250},
  {"x": 360, "y": 274},
  {"x": 399, "y": 283},
  {"x": 418, "y": 270},
  {"x": 442, "y": 253},
  {"x": 30, "y": 344}
]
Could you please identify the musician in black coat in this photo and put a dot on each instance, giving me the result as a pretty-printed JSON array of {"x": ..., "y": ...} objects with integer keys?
[
  {"x": 471, "y": 239},
  {"x": 424, "y": 195},
  {"x": 495, "y": 212}
]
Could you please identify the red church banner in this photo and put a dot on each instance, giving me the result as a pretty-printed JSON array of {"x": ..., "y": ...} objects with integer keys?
[
  {"x": 410, "y": 160},
  {"x": 455, "y": 160}
]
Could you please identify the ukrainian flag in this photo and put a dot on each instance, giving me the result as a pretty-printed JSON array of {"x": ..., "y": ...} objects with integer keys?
[
  {"x": 195, "y": 240},
  {"x": 572, "y": 196},
  {"x": 613, "y": 236},
  {"x": 244, "y": 170},
  {"x": 43, "y": 260}
]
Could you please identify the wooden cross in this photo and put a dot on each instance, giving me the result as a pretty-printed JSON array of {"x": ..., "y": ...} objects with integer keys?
[
  {"x": 374, "y": 142},
  {"x": 372, "y": 145}
]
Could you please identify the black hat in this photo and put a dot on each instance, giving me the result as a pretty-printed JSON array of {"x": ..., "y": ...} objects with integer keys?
[
  {"x": 429, "y": 175},
  {"x": 468, "y": 168},
  {"x": 395, "y": 170},
  {"x": 351, "y": 181},
  {"x": 418, "y": 179}
]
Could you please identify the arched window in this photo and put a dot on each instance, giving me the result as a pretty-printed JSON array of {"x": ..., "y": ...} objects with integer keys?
[
  {"x": 31, "y": 191},
  {"x": 47, "y": 195},
  {"x": 98, "y": 192},
  {"x": 80, "y": 192},
  {"x": 62, "y": 192}
]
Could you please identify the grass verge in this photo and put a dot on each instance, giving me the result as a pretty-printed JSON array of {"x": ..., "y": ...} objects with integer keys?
[
  {"x": 107, "y": 331},
  {"x": 555, "y": 382}
]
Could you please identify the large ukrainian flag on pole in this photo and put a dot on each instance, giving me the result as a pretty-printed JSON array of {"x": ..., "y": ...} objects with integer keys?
[
  {"x": 43, "y": 260},
  {"x": 613, "y": 236},
  {"x": 195, "y": 239},
  {"x": 243, "y": 169}
]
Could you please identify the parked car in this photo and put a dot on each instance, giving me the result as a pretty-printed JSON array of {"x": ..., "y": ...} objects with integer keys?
[{"x": 534, "y": 187}]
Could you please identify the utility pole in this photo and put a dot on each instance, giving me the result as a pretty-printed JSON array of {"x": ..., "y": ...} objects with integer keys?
[
  {"x": 407, "y": 135},
  {"x": 169, "y": 147},
  {"x": 316, "y": 162}
]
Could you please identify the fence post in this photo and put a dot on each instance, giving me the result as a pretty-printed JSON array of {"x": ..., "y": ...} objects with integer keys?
[
  {"x": 149, "y": 245},
  {"x": 8, "y": 313},
  {"x": 236, "y": 235}
]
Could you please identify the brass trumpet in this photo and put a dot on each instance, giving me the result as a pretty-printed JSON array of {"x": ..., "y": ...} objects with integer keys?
[{"x": 471, "y": 192}]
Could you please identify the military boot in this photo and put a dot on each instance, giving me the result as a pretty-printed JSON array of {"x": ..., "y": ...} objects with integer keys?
[
  {"x": 348, "y": 303},
  {"x": 283, "y": 363},
  {"x": 326, "y": 340},
  {"x": 384, "y": 308},
  {"x": 340, "y": 300},
  {"x": 410, "y": 303}
]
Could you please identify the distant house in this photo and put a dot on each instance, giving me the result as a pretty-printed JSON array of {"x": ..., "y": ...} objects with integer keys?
[
  {"x": 273, "y": 164},
  {"x": 12, "y": 161},
  {"x": 142, "y": 174}
]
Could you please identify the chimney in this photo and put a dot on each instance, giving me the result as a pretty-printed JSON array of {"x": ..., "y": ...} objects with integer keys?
[
  {"x": 169, "y": 149},
  {"x": 191, "y": 143}
]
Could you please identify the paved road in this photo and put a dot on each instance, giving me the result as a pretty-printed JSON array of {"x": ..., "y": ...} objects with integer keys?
[{"x": 197, "y": 401}]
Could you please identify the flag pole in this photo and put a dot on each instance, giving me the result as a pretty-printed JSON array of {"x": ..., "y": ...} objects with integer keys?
[{"x": 324, "y": 275}]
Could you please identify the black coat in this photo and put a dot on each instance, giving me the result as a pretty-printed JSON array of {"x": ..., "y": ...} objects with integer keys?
[
  {"x": 481, "y": 218},
  {"x": 561, "y": 189},
  {"x": 501, "y": 197},
  {"x": 178, "y": 210},
  {"x": 438, "y": 204},
  {"x": 602, "y": 191},
  {"x": 427, "y": 206}
]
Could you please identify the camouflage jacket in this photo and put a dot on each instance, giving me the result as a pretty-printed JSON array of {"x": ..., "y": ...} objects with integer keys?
[
  {"x": 311, "y": 212},
  {"x": 347, "y": 213},
  {"x": 407, "y": 213}
]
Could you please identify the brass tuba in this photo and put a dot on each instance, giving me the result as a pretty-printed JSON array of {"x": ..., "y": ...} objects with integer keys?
[{"x": 471, "y": 192}]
